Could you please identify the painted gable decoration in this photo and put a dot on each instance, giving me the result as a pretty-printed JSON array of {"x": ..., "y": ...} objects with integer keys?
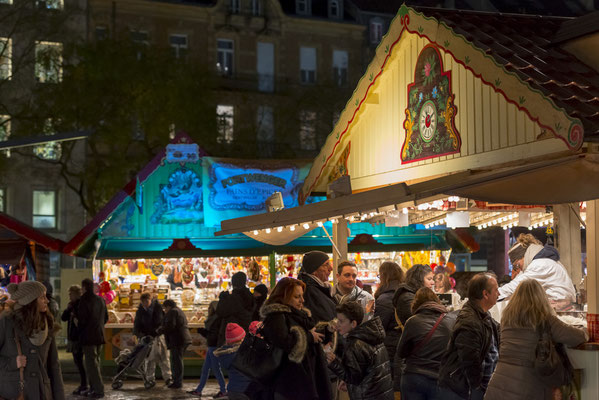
[
  {"x": 180, "y": 199},
  {"x": 430, "y": 116}
]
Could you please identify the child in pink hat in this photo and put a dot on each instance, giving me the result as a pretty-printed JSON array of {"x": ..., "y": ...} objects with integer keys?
[{"x": 238, "y": 383}]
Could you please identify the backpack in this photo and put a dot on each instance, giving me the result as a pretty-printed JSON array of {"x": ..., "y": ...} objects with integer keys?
[{"x": 551, "y": 362}]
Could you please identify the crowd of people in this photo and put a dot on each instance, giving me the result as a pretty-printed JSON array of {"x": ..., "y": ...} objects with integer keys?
[{"x": 337, "y": 342}]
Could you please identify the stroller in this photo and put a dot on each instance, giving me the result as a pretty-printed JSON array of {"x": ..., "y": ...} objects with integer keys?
[{"x": 133, "y": 361}]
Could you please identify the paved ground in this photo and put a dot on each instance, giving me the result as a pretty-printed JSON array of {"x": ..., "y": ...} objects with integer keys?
[{"x": 134, "y": 390}]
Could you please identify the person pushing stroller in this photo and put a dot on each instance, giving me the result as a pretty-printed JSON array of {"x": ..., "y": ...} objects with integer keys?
[{"x": 148, "y": 319}]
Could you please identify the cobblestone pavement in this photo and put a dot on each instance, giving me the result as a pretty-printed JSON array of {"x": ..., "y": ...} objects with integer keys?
[{"x": 134, "y": 390}]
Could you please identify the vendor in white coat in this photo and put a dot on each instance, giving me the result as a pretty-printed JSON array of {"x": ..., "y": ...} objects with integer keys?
[{"x": 542, "y": 264}]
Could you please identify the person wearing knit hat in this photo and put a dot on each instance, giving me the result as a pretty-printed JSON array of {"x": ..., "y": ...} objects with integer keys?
[
  {"x": 25, "y": 292},
  {"x": 234, "y": 333},
  {"x": 315, "y": 273},
  {"x": 31, "y": 325},
  {"x": 543, "y": 265},
  {"x": 518, "y": 250},
  {"x": 238, "y": 383}
]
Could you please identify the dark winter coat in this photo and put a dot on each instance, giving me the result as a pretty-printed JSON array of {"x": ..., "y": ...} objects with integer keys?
[
  {"x": 147, "y": 322},
  {"x": 69, "y": 316},
  {"x": 427, "y": 358},
  {"x": 174, "y": 327},
  {"x": 238, "y": 383},
  {"x": 402, "y": 301},
  {"x": 92, "y": 316},
  {"x": 365, "y": 366},
  {"x": 43, "y": 377},
  {"x": 318, "y": 299},
  {"x": 210, "y": 330},
  {"x": 235, "y": 307},
  {"x": 303, "y": 373},
  {"x": 258, "y": 303},
  {"x": 461, "y": 366},
  {"x": 383, "y": 308}
]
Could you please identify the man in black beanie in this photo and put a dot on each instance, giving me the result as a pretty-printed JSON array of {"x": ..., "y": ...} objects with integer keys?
[
  {"x": 315, "y": 272},
  {"x": 235, "y": 307}
]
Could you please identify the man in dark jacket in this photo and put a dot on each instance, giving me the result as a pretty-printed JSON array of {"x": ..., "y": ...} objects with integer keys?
[
  {"x": 315, "y": 272},
  {"x": 473, "y": 349},
  {"x": 148, "y": 319},
  {"x": 92, "y": 315},
  {"x": 365, "y": 366},
  {"x": 177, "y": 338},
  {"x": 236, "y": 307}
]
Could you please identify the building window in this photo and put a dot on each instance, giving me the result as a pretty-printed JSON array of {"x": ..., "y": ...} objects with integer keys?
[
  {"x": 308, "y": 130},
  {"x": 235, "y": 6},
  {"x": 224, "y": 59},
  {"x": 101, "y": 33},
  {"x": 48, "y": 62},
  {"x": 49, "y": 150},
  {"x": 265, "y": 66},
  {"x": 256, "y": 8},
  {"x": 178, "y": 44},
  {"x": 376, "y": 30},
  {"x": 140, "y": 37},
  {"x": 265, "y": 125},
  {"x": 5, "y": 1},
  {"x": 307, "y": 65},
  {"x": 50, "y": 4},
  {"x": 340, "y": 67},
  {"x": 224, "y": 121},
  {"x": 44, "y": 209},
  {"x": 5, "y": 58},
  {"x": 334, "y": 9},
  {"x": 2, "y": 200},
  {"x": 302, "y": 7},
  {"x": 5, "y": 123}
]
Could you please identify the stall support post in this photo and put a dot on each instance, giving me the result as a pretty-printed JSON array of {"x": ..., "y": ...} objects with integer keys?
[
  {"x": 567, "y": 220},
  {"x": 340, "y": 240},
  {"x": 592, "y": 223},
  {"x": 272, "y": 269}
]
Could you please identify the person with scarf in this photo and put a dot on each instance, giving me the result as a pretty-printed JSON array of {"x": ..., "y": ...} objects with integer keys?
[
  {"x": 303, "y": 373},
  {"x": 543, "y": 265},
  {"x": 30, "y": 324}
]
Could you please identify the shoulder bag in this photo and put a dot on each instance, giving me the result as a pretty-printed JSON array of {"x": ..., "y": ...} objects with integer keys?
[
  {"x": 427, "y": 338},
  {"x": 257, "y": 359},
  {"x": 21, "y": 395},
  {"x": 551, "y": 360}
]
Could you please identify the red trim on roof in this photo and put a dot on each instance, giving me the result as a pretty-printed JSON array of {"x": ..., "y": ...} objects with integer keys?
[
  {"x": 30, "y": 233},
  {"x": 122, "y": 195}
]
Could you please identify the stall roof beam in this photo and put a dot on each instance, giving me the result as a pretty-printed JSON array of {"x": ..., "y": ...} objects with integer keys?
[{"x": 393, "y": 196}]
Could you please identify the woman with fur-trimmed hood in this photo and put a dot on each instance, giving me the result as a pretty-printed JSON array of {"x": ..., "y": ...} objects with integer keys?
[
  {"x": 35, "y": 330},
  {"x": 303, "y": 373}
]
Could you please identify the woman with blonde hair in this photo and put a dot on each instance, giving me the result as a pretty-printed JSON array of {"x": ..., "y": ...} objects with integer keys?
[
  {"x": 391, "y": 276},
  {"x": 528, "y": 311}
]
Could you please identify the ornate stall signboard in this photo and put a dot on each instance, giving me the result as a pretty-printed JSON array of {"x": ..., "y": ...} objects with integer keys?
[{"x": 430, "y": 116}]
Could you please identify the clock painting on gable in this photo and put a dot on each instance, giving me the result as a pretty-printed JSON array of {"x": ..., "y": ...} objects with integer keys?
[{"x": 430, "y": 116}]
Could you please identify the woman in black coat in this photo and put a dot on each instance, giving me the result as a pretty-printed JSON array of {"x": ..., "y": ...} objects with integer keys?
[
  {"x": 418, "y": 276},
  {"x": 391, "y": 276},
  {"x": 303, "y": 373},
  {"x": 422, "y": 345}
]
